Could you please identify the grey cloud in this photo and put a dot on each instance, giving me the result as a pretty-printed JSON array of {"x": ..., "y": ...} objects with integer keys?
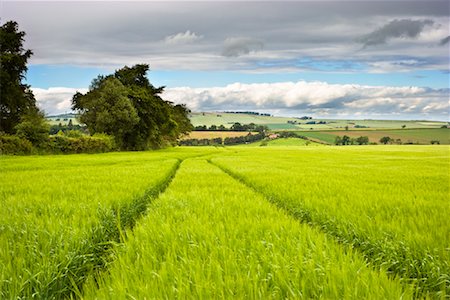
[
  {"x": 114, "y": 34},
  {"x": 404, "y": 28},
  {"x": 444, "y": 41},
  {"x": 237, "y": 46}
]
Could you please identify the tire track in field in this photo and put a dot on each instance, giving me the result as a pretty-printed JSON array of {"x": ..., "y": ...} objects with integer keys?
[
  {"x": 94, "y": 253},
  {"x": 429, "y": 276}
]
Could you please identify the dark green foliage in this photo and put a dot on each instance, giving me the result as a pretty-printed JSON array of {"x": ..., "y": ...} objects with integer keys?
[
  {"x": 362, "y": 140},
  {"x": 385, "y": 140},
  {"x": 243, "y": 139},
  {"x": 235, "y": 127},
  {"x": 346, "y": 140},
  {"x": 126, "y": 106},
  {"x": 86, "y": 144},
  {"x": 57, "y": 144},
  {"x": 34, "y": 128},
  {"x": 16, "y": 98},
  {"x": 201, "y": 142},
  {"x": 54, "y": 129},
  {"x": 287, "y": 134},
  {"x": 10, "y": 144}
]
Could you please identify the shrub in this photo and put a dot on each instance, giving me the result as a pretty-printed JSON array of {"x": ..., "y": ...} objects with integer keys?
[{"x": 10, "y": 144}]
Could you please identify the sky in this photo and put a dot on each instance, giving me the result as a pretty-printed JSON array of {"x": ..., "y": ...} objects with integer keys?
[{"x": 326, "y": 59}]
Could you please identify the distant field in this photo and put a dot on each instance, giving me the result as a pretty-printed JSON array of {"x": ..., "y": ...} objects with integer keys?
[
  {"x": 291, "y": 142},
  {"x": 420, "y": 136},
  {"x": 281, "y": 123},
  {"x": 214, "y": 134}
]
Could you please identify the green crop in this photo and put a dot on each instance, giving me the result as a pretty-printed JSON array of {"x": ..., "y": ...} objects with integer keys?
[
  {"x": 208, "y": 236},
  {"x": 60, "y": 214},
  {"x": 350, "y": 222},
  {"x": 391, "y": 203}
]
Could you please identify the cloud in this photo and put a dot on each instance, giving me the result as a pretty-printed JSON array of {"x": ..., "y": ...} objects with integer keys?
[
  {"x": 181, "y": 38},
  {"x": 317, "y": 98},
  {"x": 404, "y": 28},
  {"x": 444, "y": 41},
  {"x": 55, "y": 100},
  {"x": 237, "y": 46}
]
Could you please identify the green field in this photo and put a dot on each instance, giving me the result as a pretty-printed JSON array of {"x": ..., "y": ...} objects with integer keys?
[
  {"x": 288, "y": 221},
  {"x": 281, "y": 123},
  {"x": 410, "y": 136}
]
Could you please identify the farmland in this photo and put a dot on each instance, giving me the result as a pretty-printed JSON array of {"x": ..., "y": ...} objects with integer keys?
[
  {"x": 290, "y": 123},
  {"x": 414, "y": 136},
  {"x": 214, "y": 134},
  {"x": 244, "y": 222}
]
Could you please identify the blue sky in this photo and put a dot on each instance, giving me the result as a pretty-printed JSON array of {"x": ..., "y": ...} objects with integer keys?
[
  {"x": 360, "y": 59},
  {"x": 45, "y": 76}
]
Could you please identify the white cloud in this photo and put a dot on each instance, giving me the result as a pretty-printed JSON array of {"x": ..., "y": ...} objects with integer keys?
[
  {"x": 55, "y": 100},
  {"x": 182, "y": 38},
  {"x": 317, "y": 98}
]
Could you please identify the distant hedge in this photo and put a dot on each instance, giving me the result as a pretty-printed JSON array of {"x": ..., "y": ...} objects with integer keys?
[
  {"x": 243, "y": 139},
  {"x": 57, "y": 144},
  {"x": 201, "y": 142}
]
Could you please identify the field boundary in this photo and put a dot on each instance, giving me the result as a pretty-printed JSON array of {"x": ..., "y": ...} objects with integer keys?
[
  {"x": 399, "y": 260},
  {"x": 94, "y": 253}
]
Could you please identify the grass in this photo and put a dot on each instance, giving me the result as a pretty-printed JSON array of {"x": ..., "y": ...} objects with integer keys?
[
  {"x": 319, "y": 136},
  {"x": 60, "y": 212},
  {"x": 282, "y": 221},
  {"x": 389, "y": 202},
  {"x": 208, "y": 236},
  {"x": 416, "y": 136},
  {"x": 291, "y": 142}
]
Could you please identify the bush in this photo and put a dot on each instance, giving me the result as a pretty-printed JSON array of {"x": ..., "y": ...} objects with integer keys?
[
  {"x": 34, "y": 128},
  {"x": 84, "y": 144},
  {"x": 10, "y": 144}
]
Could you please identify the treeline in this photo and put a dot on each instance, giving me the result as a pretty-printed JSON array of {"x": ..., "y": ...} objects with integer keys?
[
  {"x": 57, "y": 144},
  {"x": 248, "y": 113},
  {"x": 123, "y": 105},
  {"x": 226, "y": 141},
  {"x": 235, "y": 127},
  {"x": 346, "y": 140}
]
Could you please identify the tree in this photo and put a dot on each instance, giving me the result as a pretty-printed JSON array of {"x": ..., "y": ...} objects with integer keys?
[
  {"x": 346, "y": 140},
  {"x": 16, "y": 98},
  {"x": 34, "y": 128},
  {"x": 107, "y": 109},
  {"x": 385, "y": 140},
  {"x": 362, "y": 140},
  {"x": 128, "y": 107}
]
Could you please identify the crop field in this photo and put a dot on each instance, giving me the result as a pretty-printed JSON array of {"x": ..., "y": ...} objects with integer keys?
[
  {"x": 281, "y": 123},
  {"x": 415, "y": 136},
  {"x": 355, "y": 222}
]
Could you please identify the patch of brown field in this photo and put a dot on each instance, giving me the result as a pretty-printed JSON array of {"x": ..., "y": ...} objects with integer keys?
[{"x": 214, "y": 134}]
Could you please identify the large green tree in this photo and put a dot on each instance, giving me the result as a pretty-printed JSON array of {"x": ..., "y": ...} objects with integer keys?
[
  {"x": 135, "y": 113},
  {"x": 16, "y": 98}
]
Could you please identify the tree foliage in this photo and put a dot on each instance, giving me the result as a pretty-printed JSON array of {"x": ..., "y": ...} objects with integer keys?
[
  {"x": 16, "y": 98},
  {"x": 128, "y": 107},
  {"x": 34, "y": 128}
]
